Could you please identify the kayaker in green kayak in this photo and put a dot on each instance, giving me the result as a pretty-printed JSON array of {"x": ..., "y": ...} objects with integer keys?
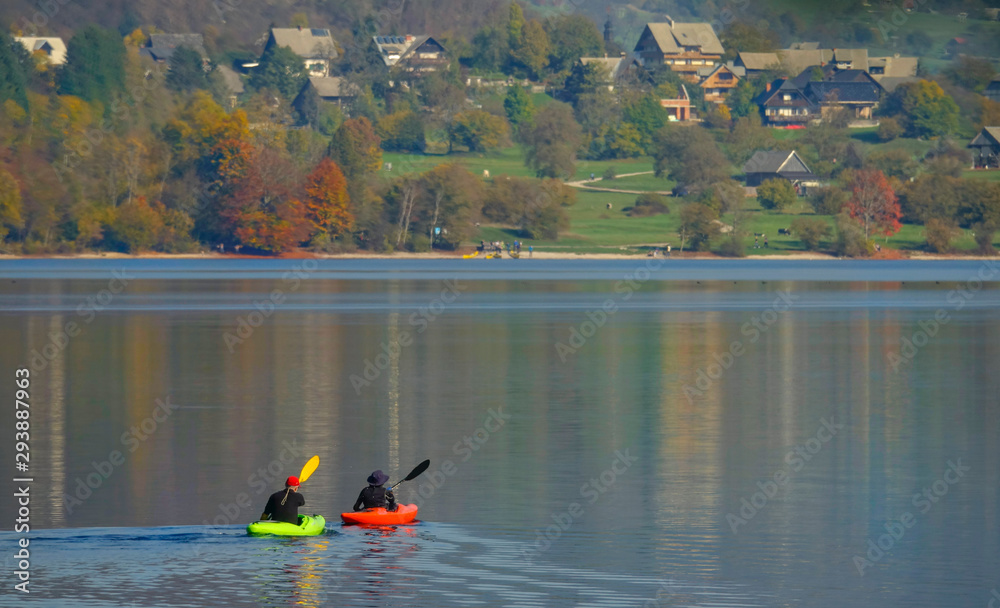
[
  {"x": 375, "y": 496},
  {"x": 284, "y": 505}
]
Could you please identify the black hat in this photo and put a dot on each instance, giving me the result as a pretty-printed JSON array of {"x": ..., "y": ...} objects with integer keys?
[{"x": 378, "y": 478}]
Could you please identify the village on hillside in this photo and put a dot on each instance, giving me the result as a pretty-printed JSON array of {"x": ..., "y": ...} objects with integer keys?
[{"x": 803, "y": 127}]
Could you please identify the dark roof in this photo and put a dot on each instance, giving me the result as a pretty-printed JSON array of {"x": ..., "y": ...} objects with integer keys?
[
  {"x": 988, "y": 137},
  {"x": 844, "y": 92},
  {"x": 782, "y": 162},
  {"x": 165, "y": 43}
]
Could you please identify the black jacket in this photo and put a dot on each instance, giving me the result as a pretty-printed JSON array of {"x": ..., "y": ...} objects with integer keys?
[
  {"x": 375, "y": 496},
  {"x": 287, "y": 512}
]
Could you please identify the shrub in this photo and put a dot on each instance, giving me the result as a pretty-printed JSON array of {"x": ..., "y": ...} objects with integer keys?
[
  {"x": 609, "y": 173},
  {"x": 775, "y": 194},
  {"x": 889, "y": 129},
  {"x": 649, "y": 204},
  {"x": 810, "y": 231},
  {"x": 851, "y": 240},
  {"x": 698, "y": 226},
  {"x": 939, "y": 234},
  {"x": 733, "y": 247},
  {"x": 829, "y": 200}
]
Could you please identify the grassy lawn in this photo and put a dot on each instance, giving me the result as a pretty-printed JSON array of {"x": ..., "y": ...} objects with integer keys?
[{"x": 595, "y": 229}]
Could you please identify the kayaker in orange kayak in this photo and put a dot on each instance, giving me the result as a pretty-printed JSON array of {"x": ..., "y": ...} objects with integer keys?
[
  {"x": 284, "y": 505},
  {"x": 375, "y": 495}
]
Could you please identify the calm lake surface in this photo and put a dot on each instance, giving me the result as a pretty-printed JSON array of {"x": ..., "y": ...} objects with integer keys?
[{"x": 621, "y": 433}]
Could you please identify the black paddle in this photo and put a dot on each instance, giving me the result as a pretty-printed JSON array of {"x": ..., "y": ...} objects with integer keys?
[{"x": 420, "y": 468}]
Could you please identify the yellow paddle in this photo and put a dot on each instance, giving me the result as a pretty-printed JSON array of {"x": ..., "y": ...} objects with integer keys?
[{"x": 309, "y": 469}]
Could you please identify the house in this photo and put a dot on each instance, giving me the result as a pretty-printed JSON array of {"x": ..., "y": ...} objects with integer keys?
[
  {"x": 233, "y": 83},
  {"x": 718, "y": 81},
  {"x": 161, "y": 47},
  {"x": 992, "y": 91},
  {"x": 987, "y": 147},
  {"x": 332, "y": 89},
  {"x": 315, "y": 46},
  {"x": 803, "y": 99},
  {"x": 893, "y": 67},
  {"x": 757, "y": 63},
  {"x": 52, "y": 49},
  {"x": 684, "y": 47},
  {"x": 679, "y": 108},
  {"x": 783, "y": 164},
  {"x": 412, "y": 53},
  {"x": 784, "y": 102},
  {"x": 859, "y": 98},
  {"x": 614, "y": 67}
]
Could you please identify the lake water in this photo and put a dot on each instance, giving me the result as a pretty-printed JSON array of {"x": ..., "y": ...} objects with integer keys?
[{"x": 620, "y": 433}]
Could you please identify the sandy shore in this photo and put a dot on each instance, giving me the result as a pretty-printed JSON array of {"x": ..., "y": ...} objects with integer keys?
[{"x": 537, "y": 255}]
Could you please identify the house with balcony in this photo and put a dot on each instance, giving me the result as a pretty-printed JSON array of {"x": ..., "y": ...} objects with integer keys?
[
  {"x": 683, "y": 47},
  {"x": 412, "y": 53},
  {"x": 315, "y": 46},
  {"x": 818, "y": 92},
  {"x": 717, "y": 82}
]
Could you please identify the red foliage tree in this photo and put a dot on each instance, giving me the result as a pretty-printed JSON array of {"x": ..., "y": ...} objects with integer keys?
[
  {"x": 263, "y": 207},
  {"x": 873, "y": 202},
  {"x": 326, "y": 201}
]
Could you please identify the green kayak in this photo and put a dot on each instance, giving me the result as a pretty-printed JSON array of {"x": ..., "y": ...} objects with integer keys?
[{"x": 309, "y": 525}]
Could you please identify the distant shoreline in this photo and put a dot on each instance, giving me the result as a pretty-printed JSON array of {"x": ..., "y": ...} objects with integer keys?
[{"x": 537, "y": 255}]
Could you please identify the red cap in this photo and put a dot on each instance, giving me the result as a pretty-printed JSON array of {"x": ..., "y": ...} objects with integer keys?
[{"x": 292, "y": 481}]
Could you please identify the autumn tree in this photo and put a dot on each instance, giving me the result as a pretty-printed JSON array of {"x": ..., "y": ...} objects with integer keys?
[
  {"x": 873, "y": 202},
  {"x": 326, "y": 201},
  {"x": 924, "y": 109},
  {"x": 477, "y": 130},
  {"x": 453, "y": 198},
  {"x": 10, "y": 204},
  {"x": 356, "y": 148},
  {"x": 402, "y": 131},
  {"x": 263, "y": 209},
  {"x": 551, "y": 141}
]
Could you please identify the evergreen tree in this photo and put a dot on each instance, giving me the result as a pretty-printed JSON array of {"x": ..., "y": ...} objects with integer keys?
[
  {"x": 14, "y": 75},
  {"x": 95, "y": 66},
  {"x": 280, "y": 70},
  {"x": 187, "y": 71}
]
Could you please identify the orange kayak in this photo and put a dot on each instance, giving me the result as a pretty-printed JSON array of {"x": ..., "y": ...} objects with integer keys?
[{"x": 403, "y": 514}]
